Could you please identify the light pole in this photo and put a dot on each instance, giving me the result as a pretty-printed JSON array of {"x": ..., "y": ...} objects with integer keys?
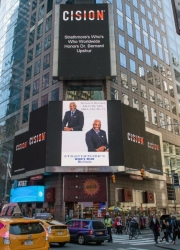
[{"x": 7, "y": 172}]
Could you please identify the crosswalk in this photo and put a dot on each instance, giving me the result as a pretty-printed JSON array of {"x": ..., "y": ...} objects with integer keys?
[{"x": 124, "y": 239}]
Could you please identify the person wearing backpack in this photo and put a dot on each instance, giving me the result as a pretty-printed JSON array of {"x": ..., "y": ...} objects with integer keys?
[
  {"x": 168, "y": 231},
  {"x": 175, "y": 229}
]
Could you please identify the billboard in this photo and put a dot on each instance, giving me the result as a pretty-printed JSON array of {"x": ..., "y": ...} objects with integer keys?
[
  {"x": 27, "y": 194},
  {"x": 84, "y": 46},
  {"x": 20, "y": 154},
  {"x": 88, "y": 187},
  {"x": 84, "y": 134},
  {"x": 176, "y": 11}
]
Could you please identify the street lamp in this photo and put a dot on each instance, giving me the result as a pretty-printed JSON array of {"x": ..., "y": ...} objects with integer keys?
[{"x": 8, "y": 166}]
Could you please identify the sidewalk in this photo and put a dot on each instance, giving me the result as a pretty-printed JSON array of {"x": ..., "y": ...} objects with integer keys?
[{"x": 170, "y": 246}]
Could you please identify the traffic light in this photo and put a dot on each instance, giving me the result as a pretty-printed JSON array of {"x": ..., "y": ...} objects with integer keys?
[
  {"x": 142, "y": 171},
  {"x": 113, "y": 178}
]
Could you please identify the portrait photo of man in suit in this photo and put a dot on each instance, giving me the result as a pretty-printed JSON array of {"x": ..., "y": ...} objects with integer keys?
[
  {"x": 73, "y": 119},
  {"x": 96, "y": 139}
]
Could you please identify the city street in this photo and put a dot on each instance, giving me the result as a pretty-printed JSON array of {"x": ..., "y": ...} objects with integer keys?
[{"x": 122, "y": 242}]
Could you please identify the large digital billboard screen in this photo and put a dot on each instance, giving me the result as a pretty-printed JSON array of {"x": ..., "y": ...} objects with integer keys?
[
  {"x": 85, "y": 134},
  {"x": 84, "y": 47},
  {"x": 27, "y": 194}
]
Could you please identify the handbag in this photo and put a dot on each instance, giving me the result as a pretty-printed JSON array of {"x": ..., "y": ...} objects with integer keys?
[{"x": 118, "y": 223}]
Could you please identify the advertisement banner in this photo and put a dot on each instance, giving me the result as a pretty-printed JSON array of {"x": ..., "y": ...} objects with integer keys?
[
  {"x": 85, "y": 134},
  {"x": 84, "y": 45}
]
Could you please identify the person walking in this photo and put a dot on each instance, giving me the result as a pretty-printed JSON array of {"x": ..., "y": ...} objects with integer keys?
[
  {"x": 118, "y": 225},
  {"x": 155, "y": 227},
  {"x": 108, "y": 222},
  {"x": 163, "y": 229},
  {"x": 175, "y": 229},
  {"x": 168, "y": 231}
]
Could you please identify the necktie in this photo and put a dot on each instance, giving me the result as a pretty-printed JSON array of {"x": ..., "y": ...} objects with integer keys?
[{"x": 72, "y": 113}]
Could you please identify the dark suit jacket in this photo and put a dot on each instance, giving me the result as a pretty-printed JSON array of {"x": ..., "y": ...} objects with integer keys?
[
  {"x": 95, "y": 141},
  {"x": 154, "y": 226},
  {"x": 76, "y": 121}
]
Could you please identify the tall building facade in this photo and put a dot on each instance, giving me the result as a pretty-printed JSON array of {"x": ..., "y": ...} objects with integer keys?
[{"x": 145, "y": 81}]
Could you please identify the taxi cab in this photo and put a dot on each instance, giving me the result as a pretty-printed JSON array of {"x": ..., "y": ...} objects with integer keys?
[
  {"x": 18, "y": 233},
  {"x": 57, "y": 231}
]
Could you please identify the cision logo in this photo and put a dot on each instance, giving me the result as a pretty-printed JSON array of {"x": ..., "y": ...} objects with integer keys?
[{"x": 84, "y": 15}]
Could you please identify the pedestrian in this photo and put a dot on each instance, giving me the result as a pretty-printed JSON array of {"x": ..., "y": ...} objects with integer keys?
[
  {"x": 168, "y": 231},
  {"x": 108, "y": 222},
  {"x": 163, "y": 229},
  {"x": 118, "y": 225},
  {"x": 155, "y": 227},
  {"x": 175, "y": 229},
  {"x": 128, "y": 222}
]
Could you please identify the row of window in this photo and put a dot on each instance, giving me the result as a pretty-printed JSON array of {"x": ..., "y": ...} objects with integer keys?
[
  {"x": 168, "y": 89},
  {"x": 40, "y": 30},
  {"x": 164, "y": 120},
  {"x": 38, "y": 49},
  {"x": 40, "y": 11},
  {"x": 44, "y": 101},
  {"x": 37, "y": 66}
]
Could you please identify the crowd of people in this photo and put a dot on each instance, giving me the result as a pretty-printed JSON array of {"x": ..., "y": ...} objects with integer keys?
[{"x": 168, "y": 229}]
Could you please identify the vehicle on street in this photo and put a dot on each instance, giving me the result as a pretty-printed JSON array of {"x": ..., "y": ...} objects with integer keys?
[
  {"x": 21, "y": 234},
  {"x": 57, "y": 232},
  {"x": 86, "y": 230}
]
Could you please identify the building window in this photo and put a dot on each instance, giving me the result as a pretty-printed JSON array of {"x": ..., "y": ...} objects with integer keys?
[
  {"x": 45, "y": 81},
  {"x": 144, "y": 25},
  {"x": 36, "y": 86},
  {"x": 131, "y": 47},
  {"x": 119, "y": 4},
  {"x": 148, "y": 3},
  {"x": 142, "y": 9},
  {"x": 157, "y": 82},
  {"x": 169, "y": 75},
  {"x": 35, "y": 104},
  {"x": 136, "y": 18},
  {"x": 46, "y": 61},
  {"x": 153, "y": 47},
  {"x": 37, "y": 67},
  {"x": 145, "y": 110},
  {"x": 124, "y": 81},
  {"x": 128, "y": 11},
  {"x": 154, "y": 9},
  {"x": 122, "y": 60},
  {"x": 134, "y": 86},
  {"x": 33, "y": 19},
  {"x": 165, "y": 88},
  {"x": 173, "y": 107},
  {"x": 39, "y": 30},
  {"x": 121, "y": 41},
  {"x": 34, "y": 4},
  {"x": 156, "y": 22},
  {"x": 135, "y": 104},
  {"x": 31, "y": 37},
  {"x": 114, "y": 94},
  {"x": 146, "y": 42},
  {"x": 148, "y": 60},
  {"x": 120, "y": 22},
  {"x": 132, "y": 66},
  {"x": 166, "y": 104},
  {"x": 159, "y": 100},
  {"x": 129, "y": 29},
  {"x": 27, "y": 92},
  {"x": 143, "y": 91},
  {"x": 28, "y": 73},
  {"x": 141, "y": 72},
  {"x": 140, "y": 54},
  {"x": 49, "y": 5},
  {"x": 151, "y": 30},
  {"x": 151, "y": 95},
  {"x": 176, "y": 126},
  {"x": 171, "y": 91},
  {"x": 155, "y": 65},
  {"x": 30, "y": 55},
  {"x": 44, "y": 100},
  {"x": 41, "y": 12},
  {"x": 125, "y": 99},
  {"x": 169, "y": 123},
  {"x": 150, "y": 77},
  {"x": 160, "y": 52},
  {"x": 149, "y": 15},
  {"x": 38, "y": 48},
  {"x": 134, "y": 3},
  {"x": 48, "y": 23},
  {"x": 154, "y": 116},
  {"x": 47, "y": 42},
  {"x": 162, "y": 120},
  {"x": 25, "y": 113},
  {"x": 138, "y": 35},
  {"x": 162, "y": 27},
  {"x": 55, "y": 95}
]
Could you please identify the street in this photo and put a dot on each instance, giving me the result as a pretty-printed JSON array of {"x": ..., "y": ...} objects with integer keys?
[{"x": 122, "y": 242}]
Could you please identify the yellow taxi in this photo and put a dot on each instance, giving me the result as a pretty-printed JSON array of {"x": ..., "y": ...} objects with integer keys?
[
  {"x": 21, "y": 234},
  {"x": 57, "y": 232}
]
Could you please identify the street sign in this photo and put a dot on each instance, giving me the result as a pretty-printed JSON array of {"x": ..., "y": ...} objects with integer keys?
[{"x": 136, "y": 177}]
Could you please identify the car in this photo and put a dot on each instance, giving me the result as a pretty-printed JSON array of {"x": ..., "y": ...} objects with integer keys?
[
  {"x": 87, "y": 230},
  {"x": 19, "y": 233},
  {"x": 57, "y": 231}
]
